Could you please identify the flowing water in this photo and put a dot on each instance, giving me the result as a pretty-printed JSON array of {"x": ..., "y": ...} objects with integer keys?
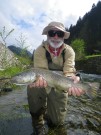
[{"x": 83, "y": 116}]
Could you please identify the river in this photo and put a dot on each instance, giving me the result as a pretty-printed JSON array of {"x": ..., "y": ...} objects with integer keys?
[{"x": 83, "y": 115}]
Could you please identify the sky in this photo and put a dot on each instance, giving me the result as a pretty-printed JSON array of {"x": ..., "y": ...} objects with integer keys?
[{"x": 29, "y": 17}]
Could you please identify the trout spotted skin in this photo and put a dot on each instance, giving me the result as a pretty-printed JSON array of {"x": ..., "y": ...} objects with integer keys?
[{"x": 53, "y": 79}]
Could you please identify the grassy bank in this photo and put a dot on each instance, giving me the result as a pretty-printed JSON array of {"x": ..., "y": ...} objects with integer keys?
[{"x": 10, "y": 71}]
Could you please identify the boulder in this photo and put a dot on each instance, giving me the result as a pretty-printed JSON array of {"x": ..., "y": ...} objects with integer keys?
[{"x": 7, "y": 57}]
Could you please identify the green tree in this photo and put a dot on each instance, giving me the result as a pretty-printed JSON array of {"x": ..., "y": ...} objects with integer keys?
[
  {"x": 79, "y": 47},
  {"x": 21, "y": 42}
]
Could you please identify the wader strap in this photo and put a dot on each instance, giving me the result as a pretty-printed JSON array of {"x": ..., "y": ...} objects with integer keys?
[
  {"x": 48, "y": 56},
  {"x": 63, "y": 55}
]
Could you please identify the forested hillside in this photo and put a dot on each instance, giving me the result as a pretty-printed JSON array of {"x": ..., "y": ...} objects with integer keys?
[{"x": 88, "y": 28}]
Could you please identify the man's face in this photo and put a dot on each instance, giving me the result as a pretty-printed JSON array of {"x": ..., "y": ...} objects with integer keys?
[{"x": 55, "y": 38}]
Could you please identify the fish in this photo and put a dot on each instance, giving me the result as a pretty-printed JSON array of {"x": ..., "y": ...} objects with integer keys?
[{"x": 54, "y": 80}]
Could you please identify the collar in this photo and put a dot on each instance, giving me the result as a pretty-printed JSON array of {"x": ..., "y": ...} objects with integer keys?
[{"x": 55, "y": 51}]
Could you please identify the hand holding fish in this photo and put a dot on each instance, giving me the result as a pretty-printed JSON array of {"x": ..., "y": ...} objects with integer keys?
[
  {"x": 40, "y": 83},
  {"x": 73, "y": 90}
]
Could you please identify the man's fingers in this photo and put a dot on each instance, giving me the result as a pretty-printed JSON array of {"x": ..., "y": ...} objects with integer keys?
[
  {"x": 45, "y": 83},
  {"x": 78, "y": 91},
  {"x": 72, "y": 91},
  {"x": 41, "y": 82},
  {"x": 75, "y": 91},
  {"x": 75, "y": 78}
]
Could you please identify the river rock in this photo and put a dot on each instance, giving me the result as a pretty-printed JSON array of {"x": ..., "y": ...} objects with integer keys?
[{"x": 7, "y": 57}]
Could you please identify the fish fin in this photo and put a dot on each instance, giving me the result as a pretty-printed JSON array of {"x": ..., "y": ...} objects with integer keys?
[{"x": 94, "y": 87}]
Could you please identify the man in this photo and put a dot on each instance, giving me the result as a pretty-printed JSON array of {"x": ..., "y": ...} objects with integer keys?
[{"x": 52, "y": 54}]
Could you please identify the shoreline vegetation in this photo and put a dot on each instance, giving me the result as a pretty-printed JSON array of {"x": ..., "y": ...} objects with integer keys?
[{"x": 27, "y": 63}]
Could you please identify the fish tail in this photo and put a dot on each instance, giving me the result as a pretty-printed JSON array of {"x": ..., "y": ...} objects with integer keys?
[{"x": 94, "y": 87}]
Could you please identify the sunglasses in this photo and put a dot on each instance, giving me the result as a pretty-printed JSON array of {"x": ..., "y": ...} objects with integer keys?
[{"x": 52, "y": 33}]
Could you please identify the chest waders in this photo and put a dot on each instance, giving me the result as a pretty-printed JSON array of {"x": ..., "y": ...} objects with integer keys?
[{"x": 50, "y": 106}]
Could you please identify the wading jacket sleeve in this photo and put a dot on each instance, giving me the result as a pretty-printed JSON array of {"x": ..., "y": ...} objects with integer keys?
[{"x": 68, "y": 66}]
